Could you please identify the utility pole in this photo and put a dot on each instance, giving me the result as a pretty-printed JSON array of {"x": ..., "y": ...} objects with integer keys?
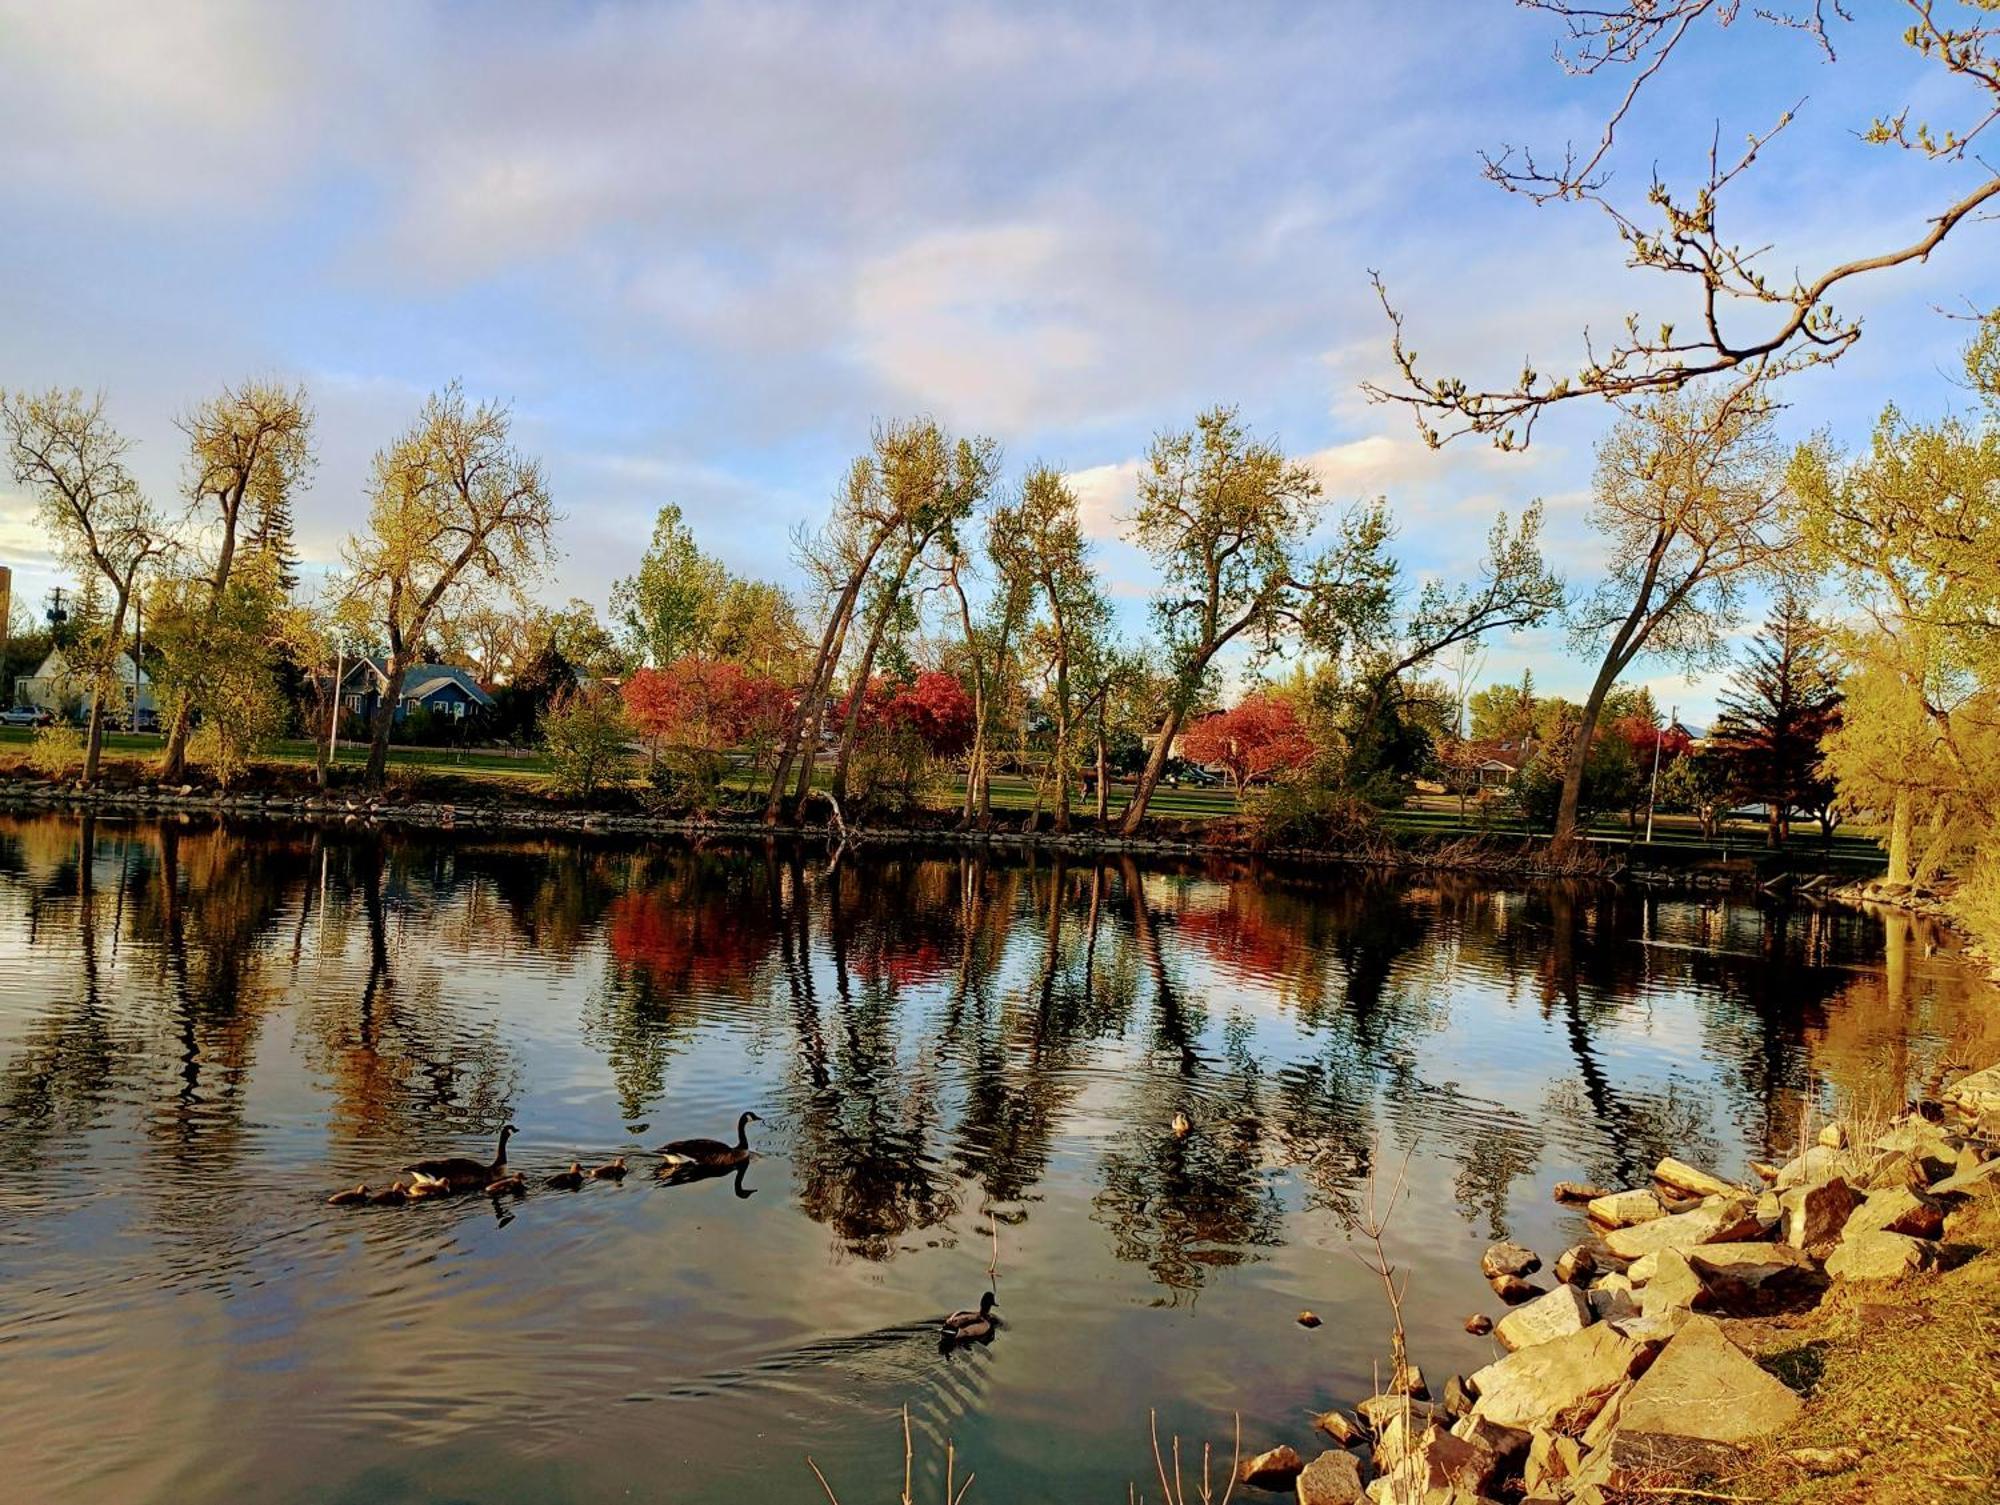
[
  {"x": 138, "y": 650},
  {"x": 6, "y": 610},
  {"x": 333, "y": 714},
  {"x": 1653, "y": 794}
]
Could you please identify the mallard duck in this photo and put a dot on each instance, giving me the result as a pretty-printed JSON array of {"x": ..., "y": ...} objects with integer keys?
[
  {"x": 393, "y": 1195},
  {"x": 570, "y": 1179},
  {"x": 969, "y": 1327},
  {"x": 1183, "y": 1126},
  {"x": 462, "y": 1172},
  {"x": 614, "y": 1171},
  {"x": 515, "y": 1185},
  {"x": 711, "y": 1152},
  {"x": 349, "y": 1198},
  {"x": 425, "y": 1186}
]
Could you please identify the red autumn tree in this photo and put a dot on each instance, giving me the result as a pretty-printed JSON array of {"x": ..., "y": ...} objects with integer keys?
[
  {"x": 707, "y": 703},
  {"x": 1260, "y": 736},
  {"x": 937, "y": 709}
]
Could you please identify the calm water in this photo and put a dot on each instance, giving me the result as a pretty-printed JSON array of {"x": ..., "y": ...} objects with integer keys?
[{"x": 205, "y": 1031}]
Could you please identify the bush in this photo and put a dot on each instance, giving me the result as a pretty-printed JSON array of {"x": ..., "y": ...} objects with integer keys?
[
  {"x": 585, "y": 734},
  {"x": 1977, "y": 902},
  {"x": 56, "y": 750},
  {"x": 1307, "y": 813},
  {"x": 245, "y": 714}
]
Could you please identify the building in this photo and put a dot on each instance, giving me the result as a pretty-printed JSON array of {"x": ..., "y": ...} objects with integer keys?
[
  {"x": 444, "y": 691},
  {"x": 63, "y": 690}
]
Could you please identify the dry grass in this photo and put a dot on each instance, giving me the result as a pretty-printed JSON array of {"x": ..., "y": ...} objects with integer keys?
[{"x": 1909, "y": 1372}]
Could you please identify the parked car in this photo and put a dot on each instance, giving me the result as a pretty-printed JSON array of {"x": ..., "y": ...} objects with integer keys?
[{"x": 25, "y": 715}]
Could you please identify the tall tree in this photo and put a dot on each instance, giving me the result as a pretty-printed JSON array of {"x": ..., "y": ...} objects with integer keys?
[
  {"x": 1224, "y": 517},
  {"x": 1075, "y": 618},
  {"x": 249, "y": 449},
  {"x": 1776, "y": 711},
  {"x": 671, "y": 605},
  {"x": 1686, "y": 499},
  {"x": 454, "y": 507},
  {"x": 64, "y": 450}
]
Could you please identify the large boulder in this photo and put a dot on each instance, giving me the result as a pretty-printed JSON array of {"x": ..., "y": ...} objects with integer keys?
[
  {"x": 1817, "y": 1211},
  {"x": 1508, "y": 1259},
  {"x": 1678, "y": 1176},
  {"x": 1673, "y": 1291},
  {"x": 1333, "y": 1478},
  {"x": 1721, "y": 1221},
  {"x": 1563, "y": 1311},
  {"x": 1576, "y": 1264},
  {"x": 1378, "y": 1411},
  {"x": 1620, "y": 1209},
  {"x": 1440, "y": 1467},
  {"x": 1981, "y": 1177},
  {"x": 1744, "y": 1277},
  {"x": 1933, "y": 1149},
  {"x": 1274, "y": 1470},
  {"x": 1974, "y": 1096},
  {"x": 1822, "y": 1164},
  {"x": 1567, "y": 1377},
  {"x": 1702, "y": 1386},
  {"x": 1507, "y": 1444},
  {"x": 1880, "y": 1256},
  {"x": 1898, "y": 1210}
]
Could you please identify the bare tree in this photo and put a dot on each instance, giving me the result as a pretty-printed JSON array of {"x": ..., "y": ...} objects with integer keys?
[
  {"x": 1749, "y": 324},
  {"x": 454, "y": 507},
  {"x": 1687, "y": 498},
  {"x": 63, "y": 449}
]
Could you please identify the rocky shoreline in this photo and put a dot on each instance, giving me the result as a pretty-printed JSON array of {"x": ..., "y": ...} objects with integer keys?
[{"x": 1626, "y": 1371}]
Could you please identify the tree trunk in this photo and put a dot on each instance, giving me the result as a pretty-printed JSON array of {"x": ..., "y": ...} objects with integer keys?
[
  {"x": 93, "y": 747},
  {"x": 1900, "y": 820},
  {"x": 1579, "y": 754},
  {"x": 1103, "y": 791},
  {"x": 1156, "y": 764},
  {"x": 832, "y": 641},
  {"x": 850, "y": 732},
  {"x": 385, "y": 720}
]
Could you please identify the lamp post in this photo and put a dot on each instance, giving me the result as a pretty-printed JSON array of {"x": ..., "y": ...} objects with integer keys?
[{"x": 333, "y": 713}]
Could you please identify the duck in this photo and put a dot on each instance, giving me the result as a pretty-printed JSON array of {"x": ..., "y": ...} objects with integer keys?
[
  {"x": 1183, "y": 1126},
  {"x": 515, "y": 1185},
  {"x": 351, "y": 1198},
  {"x": 969, "y": 1326},
  {"x": 613, "y": 1171},
  {"x": 570, "y": 1179},
  {"x": 427, "y": 1186},
  {"x": 711, "y": 1152},
  {"x": 462, "y": 1172},
  {"x": 393, "y": 1195}
]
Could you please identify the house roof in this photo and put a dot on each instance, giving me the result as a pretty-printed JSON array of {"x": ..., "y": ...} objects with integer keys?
[
  {"x": 421, "y": 681},
  {"x": 56, "y": 666}
]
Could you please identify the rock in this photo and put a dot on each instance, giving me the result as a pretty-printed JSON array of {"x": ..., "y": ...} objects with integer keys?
[
  {"x": 1896, "y": 1211},
  {"x": 1834, "y": 1135},
  {"x": 1815, "y": 1213},
  {"x": 1506, "y": 1444},
  {"x": 1931, "y": 1147},
  {"x": 1640, "y": 1271},
  {"x": 1880, "y": 1256},
  {"x": 1378, "y": 1411},
  {"x": 1621, "y": 1209},
  {"x": 1974, "y": 1096},
  {"x": 1457, "y": 1396},
  {"x": 1410, "y": 1381},
  {"x": 1678, "y": 1176},
  {"x": 1479, "y": 1324},
  {"x": 1821, "y": 1164},
  {"x": 1820, "y": 1462},
  {"x": 1341, "y": 1427},
  {"x": 1399, "y": 1434},
  {"x": 1308, "y": 1319},
  {"x": 1765, "y": 1172},
  {"x": 1722, "y": 1221},
  {"x": 1672, "y": 1292},
  {"x": 1769, "y": 1212},
  {"x": 1563, "y": 1311},
  {"x": 1577, "y": 1191},
  {"x": 1508, "y": 1259},
  {"x": 1606, "y": 1420},
  {"x": 1984, "y": 1177},
  {"x": 1703, "y": 1386},
  {"x": 1552, "y": 1458},
  {"x": 1333, "y": 1478},
  {"x": 1568, "y": 1377},
  {"x": 1576, "y": 1263},
  {"x": 1440, "y": 1467},
  {"x": 1513, "y": 1290},
  {"x": 1745, "y": 1277},
  {"x": 1612, "y": 1298},
  {"x": 1274, "y": 1470},
  {"x": 1655, "y": 1332}
]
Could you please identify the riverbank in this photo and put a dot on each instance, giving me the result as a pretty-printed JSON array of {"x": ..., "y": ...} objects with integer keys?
[
  {"x": 437, "y": 800},
  {"x": 1825, "y": 1331}
]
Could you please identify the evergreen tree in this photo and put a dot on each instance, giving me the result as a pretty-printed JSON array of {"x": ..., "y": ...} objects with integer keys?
[
  {"x": 1781, "y": 702},
  {"x": 270, "y": 541}
]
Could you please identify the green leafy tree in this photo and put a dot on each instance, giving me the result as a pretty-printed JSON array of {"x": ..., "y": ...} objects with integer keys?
[
  {"x": 672, "y": 605},
  {"x": 586, "y": 735}
]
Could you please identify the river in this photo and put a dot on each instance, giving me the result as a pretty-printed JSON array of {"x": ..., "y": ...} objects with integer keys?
[{"x": 965, "y": 1065}]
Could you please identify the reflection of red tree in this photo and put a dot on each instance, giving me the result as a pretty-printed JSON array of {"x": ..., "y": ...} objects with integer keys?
[
  {"x": 683, "y": 944},
  {"x": 1241, "y": 933},
  {"x": 904, "y": 962},
  {"x": 1260, "y": 736}
]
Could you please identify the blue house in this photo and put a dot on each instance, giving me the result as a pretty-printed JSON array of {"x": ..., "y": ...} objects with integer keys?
[{"x": 446, "y": 691}]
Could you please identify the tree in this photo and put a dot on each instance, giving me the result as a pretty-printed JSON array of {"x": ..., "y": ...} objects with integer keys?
[
  {"x": 1686, "y": 498},
  {"x": 672, "y": 605},
  {"x": 989, "y": 639},
  {"x": 1259, "y": 736},
  {"x": 1223, "y": 516},
  {"x": 249, "y": 449},
  {"x": 1541, "y": 791},
  {"x": 585, "y": 735},
  {"x": 63, "y": 449},
  {"x": 694, "y": 710},
  {"x": 1749, "y": 326},
  {"x": 1780, "y": 703},
  {"x": 454, "y": 507},
  {"x": 1504, "y": 713},
  {"x": 1698, "y": 785}
]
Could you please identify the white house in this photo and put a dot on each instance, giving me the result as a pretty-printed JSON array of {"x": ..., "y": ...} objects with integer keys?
[{"x": 61, "y": 689}]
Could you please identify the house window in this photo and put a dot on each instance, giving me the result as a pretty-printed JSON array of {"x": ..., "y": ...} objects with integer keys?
[{"x": 458, "y": 710}]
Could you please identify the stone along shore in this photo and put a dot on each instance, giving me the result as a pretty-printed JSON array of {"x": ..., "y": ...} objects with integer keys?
[{"x": 1627, "y": 1371}]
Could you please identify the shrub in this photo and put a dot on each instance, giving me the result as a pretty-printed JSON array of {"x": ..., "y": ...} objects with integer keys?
[
  {"x": 1307, "y": 813},
  {"x": 244, "y": 715},
  {"x": 585, "y": 734},
  {"x": 56, "y": 750}
]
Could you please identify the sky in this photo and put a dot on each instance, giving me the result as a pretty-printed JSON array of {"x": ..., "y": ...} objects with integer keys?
[{"x": 700, "y": 248}]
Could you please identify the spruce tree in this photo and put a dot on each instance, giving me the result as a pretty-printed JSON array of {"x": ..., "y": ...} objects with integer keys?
[{"x": 1780, "y": 702}]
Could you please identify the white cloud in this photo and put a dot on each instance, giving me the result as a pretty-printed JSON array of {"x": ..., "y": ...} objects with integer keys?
[{"x": 1105, "y": 496}]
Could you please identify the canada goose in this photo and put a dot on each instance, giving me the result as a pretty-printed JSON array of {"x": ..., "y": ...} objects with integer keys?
[
  {"x": 712, "y": 1152},
  {"x": 614, "y": 1171},
  {"x": 393, "y": 1195},
  {"x": 568, "y": 1180},
  {"x": 461, "y": 1172},
  {"x": 349, "y": 1198},
  {"x": 1183, "y": 1126},
  {"x": 427, "y": 1186},
  {"x": 515, "y": 1185},
  {"x": 970, "y": 1327}
]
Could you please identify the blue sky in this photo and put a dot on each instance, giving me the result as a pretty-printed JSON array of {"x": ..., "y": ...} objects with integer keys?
[{"x": 701, "y": 247}]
